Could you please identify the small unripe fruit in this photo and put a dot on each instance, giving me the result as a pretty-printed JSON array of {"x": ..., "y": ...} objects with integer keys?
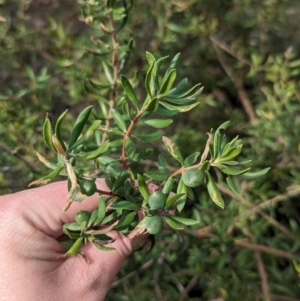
[
  {"x": 87, "y": 187},
  {"x": 193, "y": 177},
  {"x": 154, "y": 224},
  {"x": 157, "y": 200},
  {"x": 82, "y": 216}
]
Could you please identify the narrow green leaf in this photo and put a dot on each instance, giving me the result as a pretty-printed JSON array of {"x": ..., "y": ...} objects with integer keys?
[
  {"x": 173, "y": 63},
  {"x": 214, "y": 192},
  {"x": 172, "y": 223},
  {"x": 72, "y": 226},
  {"x": 47, "y": 133},
  {"x": 150, "y": 81},
  {"x": 166, "y": 112},
  {"x": 95, "y": 153},
  {"x": 178, "y": 89},
  {"x": 150, "y": 58},
  {"x": 170, "y": 201},
  {"x": 145, "y": 154},
  {"x": 152, "y": 105},
  {"x": 181, "y": 189},
  {"x": 58, "y": 129},
  {"x": 101, "y": 211},
  {"x": 88, "y": 134},
  {"x": 156, "y": 175},
  {"x": 168, "y": 82},
  {"x": 158, "y": 123},
  {"x": 48, "y": 178},
  {"x": 232, "y": 185},
  {"x": 234, "y": 152},
  {"x": 179, "y": 109},
  {"x": 143, "y": 188},
  {"x": 126, "y": 205},
  {"x": 103, "y": 248},
  {"x": 256, "y": 174},
  {"x": 183, "y": 220},
  {"x": 173, "y": 149},
  {"x": 125, "y": 221},
  {"x": 79, "y": 125},
  {"x": 148, "y": 137},
  {"x": 118, "y": 119},
  {"x": 191, "y": 159},
  {"x": 128, "y": 89},
  {"x": 231, "y": 171},
  {"x": 120, "y": 180},
  {"x": 168, "y": 186}
]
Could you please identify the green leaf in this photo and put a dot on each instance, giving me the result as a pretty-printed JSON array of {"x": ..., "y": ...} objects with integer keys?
[
  {"x": 88, "y": 134},
  {"x": 158, "y": 123},
  {"x": 48, "y": 178},
  {"x": 214, "y": 192},
  {"x": 256, "y": 174},
  {"x": 170, "y": 201},
  {"x": 172, "y": 223},
  {"x": 103, "y": 248},
  {"x": 179, "y": 109},
  {"x": 181, "y": 189},
  {"x": 165, "y": 112},
  {"x": 173, "y": 63},
  {"x": 150, "y": 58},
  {"x": 168, "y": 82},
  {"x": 173, "y": 149},
  {"x": 143, "y": 188},
  {"x": 47, "y": 133},
  {"x": 156, "y": 175},
  {"x": 125, "y": 221},
  {"x": 148, "y": 137},
  {"x": 178, "y": 89},
  {"x": 151, "y": 105},
  {"x": 58, "y": 129},
  {"x": 72, "y": 226},
  {"x": 101, "y": 212},
  {"x": 230, "y": 155},
  {"x": 79, "y": 125},
  {"x": 150, "y": 81},
  {"x": 126, "y": 205},
  {"x": 118, "y": 119},
  {"x": 231, "y": 171},
  {"x": 193, "y": 177},
  {"x": 168, "y": 186},
  {"x": 232, "y": 185},
  {"x": 183, "y": 220},
  {"x": 120, "y": 180},
  {"x": 191, "y": 159},
  {"x": 145, "y": 154},
  {"x": 95, "y": 153},
  {"x": 128, "y": 89}
]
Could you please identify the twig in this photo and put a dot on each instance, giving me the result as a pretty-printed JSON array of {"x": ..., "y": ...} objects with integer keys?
[
  {"x": 190, "y": 285},
  {"x": 130, "y": 275},
  {"x": 20, "y": 157},
  {"x": 266, "y": 249},
  {"x": 238, "y": 83},
  {"x": 270, "y": 219},
  {"x": 263, "y": 276},
  {"x": 115, "y": 64},
  {"x": 227, "y": 48}
]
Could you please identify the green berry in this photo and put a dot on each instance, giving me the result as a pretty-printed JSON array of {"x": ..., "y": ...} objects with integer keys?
[
  {"x": 157, "y": 200},
  {"x": 154, "y": 224},
  {"x": 82, "y": 216},
  {"x": 87, "y": 187},
  {"x": 193, "y": 177}
]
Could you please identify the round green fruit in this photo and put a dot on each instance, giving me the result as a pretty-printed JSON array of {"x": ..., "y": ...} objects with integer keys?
[
  {"x": 82, "y": 216},
  {"x": 193, "y": 177},
  {"x": 154, "y": 224},
  {"x": 87, "y": 187},
  {"x": 157, "y": 200}
]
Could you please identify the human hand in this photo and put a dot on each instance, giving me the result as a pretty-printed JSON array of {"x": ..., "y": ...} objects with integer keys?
[{"x": 30, "y": 223}]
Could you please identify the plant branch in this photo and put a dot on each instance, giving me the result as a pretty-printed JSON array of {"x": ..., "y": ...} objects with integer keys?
[
  {"x": 126, "y": 135},
  {"x": 238, "y": 83},
  {"x": 263, "y": 275},
  {"x": 115, "y": 64},
  {"x": 17, "y": 155}
]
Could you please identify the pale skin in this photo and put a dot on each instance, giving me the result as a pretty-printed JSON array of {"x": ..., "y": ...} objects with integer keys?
[{"x": 30, "y": 223}]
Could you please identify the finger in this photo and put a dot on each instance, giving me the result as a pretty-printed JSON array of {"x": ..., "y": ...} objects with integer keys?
[{"x": 43, "y": 206}]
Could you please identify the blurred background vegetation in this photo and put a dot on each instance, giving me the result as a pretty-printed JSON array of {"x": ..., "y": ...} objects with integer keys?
[{"x": 245, "y": 53}]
